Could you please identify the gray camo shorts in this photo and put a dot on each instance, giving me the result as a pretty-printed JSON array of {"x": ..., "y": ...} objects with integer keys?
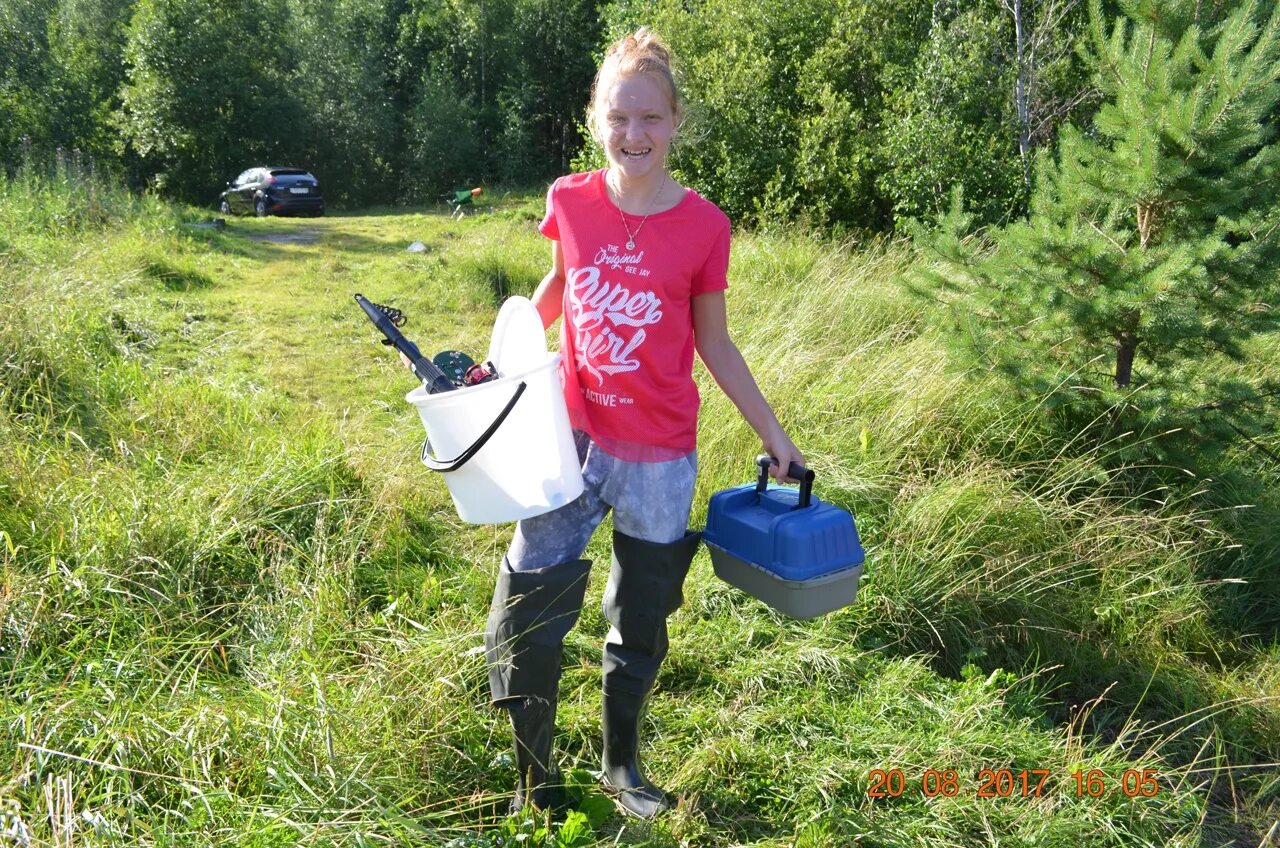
[{"x": 651, "y": 501}]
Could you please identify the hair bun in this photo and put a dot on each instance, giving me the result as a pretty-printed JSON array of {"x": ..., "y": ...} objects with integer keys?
[{"x": 641, "y": 46}]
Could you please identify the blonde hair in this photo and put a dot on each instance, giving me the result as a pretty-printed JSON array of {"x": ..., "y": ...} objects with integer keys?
[{"x": 641, "y": 52}]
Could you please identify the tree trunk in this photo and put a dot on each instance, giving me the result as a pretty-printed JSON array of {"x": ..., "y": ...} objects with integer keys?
[
  {"x": 1126, "y": 347},
  {"x": 1020, "y": 92}
]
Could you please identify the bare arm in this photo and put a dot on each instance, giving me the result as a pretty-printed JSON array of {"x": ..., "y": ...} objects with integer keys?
[
  {"x": 549, "y": 296},
  {"x": 730, "y": 371}
]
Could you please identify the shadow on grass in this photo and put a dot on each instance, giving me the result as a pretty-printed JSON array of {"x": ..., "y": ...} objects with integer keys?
[
  {"x": 405, "y": 568},
  {"x": 498, "y": 278},
  {"x": 176, "y": 278},
  {"x": 276, "y": 240},
  {"x": 1247, "y": 609}
]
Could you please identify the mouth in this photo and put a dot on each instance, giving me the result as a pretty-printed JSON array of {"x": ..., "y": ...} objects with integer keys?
[{"x": 635, "y": 153}]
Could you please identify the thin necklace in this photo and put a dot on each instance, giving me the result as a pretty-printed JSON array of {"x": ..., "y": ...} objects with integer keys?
[{"x": 631, "y": 237}]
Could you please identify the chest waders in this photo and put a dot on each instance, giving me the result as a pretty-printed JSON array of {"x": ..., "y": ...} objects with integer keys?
[{"x": 532, "y": 612}]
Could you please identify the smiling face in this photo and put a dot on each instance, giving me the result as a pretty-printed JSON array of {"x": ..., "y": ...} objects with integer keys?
[{"x": 636, "y": 124}]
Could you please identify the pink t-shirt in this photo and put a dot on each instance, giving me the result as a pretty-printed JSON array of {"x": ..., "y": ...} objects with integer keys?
[{"x": 627, "y": 332}]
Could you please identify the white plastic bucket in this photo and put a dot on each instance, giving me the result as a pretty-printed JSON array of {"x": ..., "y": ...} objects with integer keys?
[{"x": 527, "y": 466}]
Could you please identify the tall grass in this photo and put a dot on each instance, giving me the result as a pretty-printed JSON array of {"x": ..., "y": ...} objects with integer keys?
[
  {"x": 44, "y": 203},
  {"x": 230, "y": 616}
]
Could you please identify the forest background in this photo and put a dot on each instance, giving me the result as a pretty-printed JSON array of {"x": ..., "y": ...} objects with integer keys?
[{"x": 843, "y": 115}]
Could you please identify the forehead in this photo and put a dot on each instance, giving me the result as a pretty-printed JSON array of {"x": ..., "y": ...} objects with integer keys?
[{"x": 636, "y": 92}]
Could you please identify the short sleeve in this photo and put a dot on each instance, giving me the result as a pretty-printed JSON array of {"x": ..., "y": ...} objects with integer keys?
[
  {"x": 549, "y": 226},
  {"x": 714, "y": 273}
]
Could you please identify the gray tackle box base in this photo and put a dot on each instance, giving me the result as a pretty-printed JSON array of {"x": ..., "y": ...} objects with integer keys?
[{"x": 796, "y": 598}]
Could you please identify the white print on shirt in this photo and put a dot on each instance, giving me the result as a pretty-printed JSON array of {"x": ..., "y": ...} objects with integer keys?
[
  {"x": 603, "y": 314},
  {"x": 608, "y": 255},
  {"x": 602, "y": 399}
]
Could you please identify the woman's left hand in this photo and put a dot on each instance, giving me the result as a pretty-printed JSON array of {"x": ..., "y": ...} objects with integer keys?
[{"x": 779, "y": 446}]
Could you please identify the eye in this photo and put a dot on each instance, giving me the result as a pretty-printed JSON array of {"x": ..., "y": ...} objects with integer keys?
[{"x": 614, "y": 120}]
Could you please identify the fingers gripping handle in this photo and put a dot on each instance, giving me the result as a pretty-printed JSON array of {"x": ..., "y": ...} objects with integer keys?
[{"x": 795, "y": 471}]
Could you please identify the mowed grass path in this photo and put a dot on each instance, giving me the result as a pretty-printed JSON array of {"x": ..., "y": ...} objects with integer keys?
[
  {"x": 284, "y": 289},
  {"x": 247, "y": 616},
  {"x": 280, "y": 311}
]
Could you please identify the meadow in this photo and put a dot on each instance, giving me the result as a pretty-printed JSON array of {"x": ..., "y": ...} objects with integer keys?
[{"x": 235, "y": 610}]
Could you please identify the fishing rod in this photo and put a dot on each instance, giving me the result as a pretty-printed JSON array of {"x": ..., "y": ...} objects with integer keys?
[{"x": 388, "y": 320}]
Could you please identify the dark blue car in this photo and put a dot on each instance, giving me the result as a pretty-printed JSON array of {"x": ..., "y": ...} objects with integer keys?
[{"x": 273, "y": 191}]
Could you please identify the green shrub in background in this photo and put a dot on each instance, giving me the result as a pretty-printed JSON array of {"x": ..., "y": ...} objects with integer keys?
[
  {"x": 1151, "y": 254},
  {"x": 843, "y": 116},
  {"x": 1136, "y": 306},
  {"x": 785, "y": 102},
  {"x": 847, "y": 116},
  {"x": 443, "y": 140},
  {"x": 386, "y": 102},
  {"x": 948, "y": 121},
  {"x": 46, "y": 203},
  {"x": 61, "y": 67},
  {"x": 349, "y": 121}
]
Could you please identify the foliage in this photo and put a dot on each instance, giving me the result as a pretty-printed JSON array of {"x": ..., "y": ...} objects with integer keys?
[
  {"x": 443, "y": 140},
  {"x": 61, "y": 66},
  {"x": 492, "y": 89},
  {"x": 384, "y": 100},
  {"x": 552, "y": 63},
  {"x": 784, "y": 101},
  {"x": 185, "y": 107},
  {"x": 842, "y": 115},
  {"x": 529, "y": 829},
  {"x": 846, "y": 115},
  {"x": 21, "y": 69},
  {"x": 343, "y": 105},
  {"x": 1152, "y": 238},
  {"x": 949, "y": 121},
  {"x": 43, "y": 206}
]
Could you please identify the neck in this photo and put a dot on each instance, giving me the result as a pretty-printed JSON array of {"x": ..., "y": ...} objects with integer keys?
[{"x": 635, "y": 195}]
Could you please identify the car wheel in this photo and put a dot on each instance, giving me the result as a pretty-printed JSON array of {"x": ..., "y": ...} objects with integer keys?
[
  {"x": 260, "y": 207},
  {"x": 224, "y": 207}
]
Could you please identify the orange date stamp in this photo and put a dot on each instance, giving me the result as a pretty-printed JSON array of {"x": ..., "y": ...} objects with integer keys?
[{"x": 1013, "y": 783}]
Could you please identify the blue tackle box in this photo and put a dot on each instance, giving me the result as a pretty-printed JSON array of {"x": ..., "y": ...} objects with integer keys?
[{"x": 782, "y": 545}]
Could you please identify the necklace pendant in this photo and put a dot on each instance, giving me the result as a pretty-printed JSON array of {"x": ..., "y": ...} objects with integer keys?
[{"x": 631, "y": 245}]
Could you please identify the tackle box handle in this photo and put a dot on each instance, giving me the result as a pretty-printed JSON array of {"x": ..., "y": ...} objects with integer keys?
[{"x": 795, "y": 471}]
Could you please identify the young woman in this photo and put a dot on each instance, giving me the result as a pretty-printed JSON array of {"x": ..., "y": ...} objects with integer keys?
[{"x": 638, "y": 273}]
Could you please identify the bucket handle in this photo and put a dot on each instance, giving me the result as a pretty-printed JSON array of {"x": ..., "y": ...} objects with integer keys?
[{"x": 444, "y": 467}]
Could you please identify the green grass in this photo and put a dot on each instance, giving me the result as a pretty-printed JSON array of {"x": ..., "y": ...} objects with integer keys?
[{"x": 236, "y": 611}]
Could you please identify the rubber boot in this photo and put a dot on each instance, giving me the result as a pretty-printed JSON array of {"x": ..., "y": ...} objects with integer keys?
[
  {"x": 644, "y": 588},
  {"x": 531, "y": 613}
]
